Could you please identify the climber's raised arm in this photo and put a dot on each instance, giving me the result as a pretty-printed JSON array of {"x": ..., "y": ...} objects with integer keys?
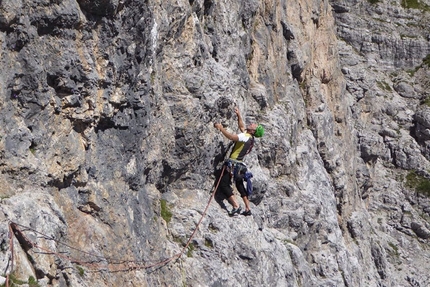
[
  {"x": 240, "y": 122},
  {"x": 227, "y": 134}
]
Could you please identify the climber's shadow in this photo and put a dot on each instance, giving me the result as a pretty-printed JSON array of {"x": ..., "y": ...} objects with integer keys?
[
  {"x": 222, "y": 178},
  {"x": 221, "y": 175}
]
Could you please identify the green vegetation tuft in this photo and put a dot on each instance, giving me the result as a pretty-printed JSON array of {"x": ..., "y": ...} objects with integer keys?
[
  {"x": 418, "y": 182},
  {"x": 178, "y": 239},
  {"x": 426, "y": 60},
  {"x": 81, "y": 271},
  {"x": 14, "y": 282},
  {"x": 32, "y": 150},
  {"x": 427, "y": 101},
  {"x": 212, "y": 228},
  {"x": 153, "y": 76},
  {"x": 395, "y": 249},
  {"x": 190, "y": 250},
  {"x": 412, "y": 72},
  {"x": 32, "y": 282},
  {"x": 415, "y": 4},
  {"x": 166, "y": 214},
  {"x": 384, "y": 86},
  {"x": 209, "y": 243},
  {"x": 373, "y": 1}
]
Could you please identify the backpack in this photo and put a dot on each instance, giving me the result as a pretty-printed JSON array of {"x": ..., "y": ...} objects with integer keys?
[{"x": 247, "y": 176}]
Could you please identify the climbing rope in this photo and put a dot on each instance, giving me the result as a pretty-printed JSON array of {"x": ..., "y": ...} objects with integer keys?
[
  {"x": 120, "y": 265},
  {"x": 11, "y": 251}
]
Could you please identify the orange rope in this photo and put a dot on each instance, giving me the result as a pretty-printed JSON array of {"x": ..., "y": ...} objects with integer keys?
[
  {"x": 11, "y": 252},
  {"x": 203, "y": 215},
  {"x": 125, "y": 265}
]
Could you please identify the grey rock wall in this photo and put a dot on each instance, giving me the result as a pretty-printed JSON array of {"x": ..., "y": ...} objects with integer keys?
[{"x": 109, "y": 155}]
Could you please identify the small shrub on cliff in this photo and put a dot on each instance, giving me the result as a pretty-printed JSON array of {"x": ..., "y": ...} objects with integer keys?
[
  {"x": 166, "y": 214},
  {"x": 32, "y": 282},
  {"x": 418, "y": 182},
  {"x": 81, "y": 271}
]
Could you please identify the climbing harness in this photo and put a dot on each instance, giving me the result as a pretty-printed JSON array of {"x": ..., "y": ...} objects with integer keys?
[{"x": 239, "y": 171}]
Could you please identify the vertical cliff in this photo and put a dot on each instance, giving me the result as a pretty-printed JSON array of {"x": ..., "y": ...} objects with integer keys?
[{"x": 109, "y": 155}]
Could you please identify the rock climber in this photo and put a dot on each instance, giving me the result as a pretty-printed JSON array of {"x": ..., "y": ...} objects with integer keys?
[{"x": 243, "y": 143}]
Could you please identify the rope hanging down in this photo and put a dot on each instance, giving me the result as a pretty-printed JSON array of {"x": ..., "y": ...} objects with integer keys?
[{"x": 119, "y": 266}]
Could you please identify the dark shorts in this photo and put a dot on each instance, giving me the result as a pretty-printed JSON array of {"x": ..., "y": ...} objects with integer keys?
[
  {"x": 239, "y": 171},
  {"x": 225, "y": 182},
  {"x": 240, "y": 186}
]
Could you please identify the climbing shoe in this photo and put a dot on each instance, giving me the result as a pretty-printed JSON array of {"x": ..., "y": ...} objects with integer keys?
[
  {"x": 235, "y": 211},
  {"x": 247, "y": 213}
]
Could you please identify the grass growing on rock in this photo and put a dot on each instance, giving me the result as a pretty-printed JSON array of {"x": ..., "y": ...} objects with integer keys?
[
  {"x": 395, "y": 249},
  {"x": 209, "y": 243},
  {"x": 426, "y": 60},
  {"x": 190, "y": 250},
  {"x": 384, "y": 86},
  {"x": 81, "y": 271},
  {"x": 32, "y": 282},
  {"x": 418, "y": 182},
  {"x": 415, "y": 4},
  {"x": 14, "y": 282},
  {"x": 427, "y": 101},
  {"x": 166, "y": 214}
]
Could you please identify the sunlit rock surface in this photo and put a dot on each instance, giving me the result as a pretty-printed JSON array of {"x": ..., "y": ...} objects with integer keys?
[{"x": 109, "y": 155}]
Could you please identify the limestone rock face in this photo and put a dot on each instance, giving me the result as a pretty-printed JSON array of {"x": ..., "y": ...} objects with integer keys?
[{"x": 109, "y": 157}]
